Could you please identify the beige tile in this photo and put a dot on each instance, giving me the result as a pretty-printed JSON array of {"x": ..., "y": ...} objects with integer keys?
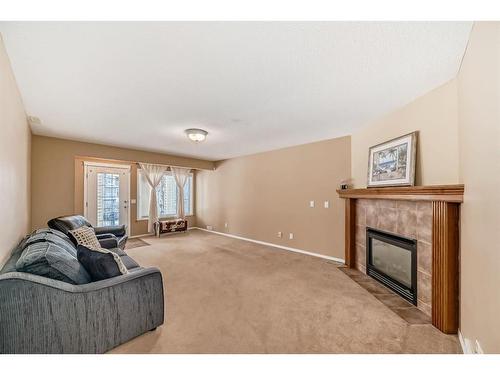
[
  {"x": 350, "y": 271},
  {"x": 371, "y": 215},
  {"x": 360, "y": 254},
  {"x": 386, "y": 203},
  {"x": 407, "y": 223},
  {"x": 363, "y": 202},
  {"x": 360, "y": 236},
  {"x": 387, "y": 219},
  {"x": 424, "y": 225},
  {"x": 424, "y": 287},
  {"x": 360, "y": 215},
  {"x": 412, "y": 315},
  {"x": 406, "y": 205},
  {"x": 424, "y": 257},
  {"x": 375, "y": 287},
  {"x": 426, "y": 308},
  {"x": 360, "y": 267},
  {"x": 425, "y": 207},
  {"x": 393, "y": 300}
]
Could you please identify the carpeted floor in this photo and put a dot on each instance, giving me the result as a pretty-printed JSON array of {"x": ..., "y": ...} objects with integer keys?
[{"x": 225, "y": 295}]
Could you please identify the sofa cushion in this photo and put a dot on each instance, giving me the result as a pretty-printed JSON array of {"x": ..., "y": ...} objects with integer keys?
[
  {"x": 45, "y": 258},
  {"x": 100, "y": 263},
  {"x": 52, "y": 236},
  {"x": 129, "y": 262},
  {"x": 118, "y": 251}
]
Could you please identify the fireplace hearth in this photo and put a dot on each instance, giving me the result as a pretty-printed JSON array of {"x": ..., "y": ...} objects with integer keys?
[
  {"x": 392, "y": 260},
  {"x": 431, "y": 215}
]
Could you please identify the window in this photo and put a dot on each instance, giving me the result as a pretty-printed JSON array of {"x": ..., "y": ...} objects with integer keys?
[
  {"x": 108, "y": 199},
  {"x": 166, "y": 194}
]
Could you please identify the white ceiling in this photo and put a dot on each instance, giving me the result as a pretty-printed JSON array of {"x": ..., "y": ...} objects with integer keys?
[{"x": 253, "y": 86}]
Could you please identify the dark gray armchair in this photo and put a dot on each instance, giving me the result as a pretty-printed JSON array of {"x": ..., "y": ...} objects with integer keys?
[{"x": 109, "y": 237}]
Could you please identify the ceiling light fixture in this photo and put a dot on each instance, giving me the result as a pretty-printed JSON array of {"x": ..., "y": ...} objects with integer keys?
[{"x": 196, "y": 135}]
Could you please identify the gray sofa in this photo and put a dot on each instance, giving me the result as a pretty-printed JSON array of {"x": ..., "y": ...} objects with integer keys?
[{"x": 43, "y": 315}]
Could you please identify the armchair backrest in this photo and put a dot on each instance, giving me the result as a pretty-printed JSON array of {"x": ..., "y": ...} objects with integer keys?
[{"x": 67, "y": 223}]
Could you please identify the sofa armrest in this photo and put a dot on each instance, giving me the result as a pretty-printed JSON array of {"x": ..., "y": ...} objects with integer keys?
[
  {"x": 108, "y": 240},
  {"x": 117, "y": 230},
  {"x": 41, "y": 315}
]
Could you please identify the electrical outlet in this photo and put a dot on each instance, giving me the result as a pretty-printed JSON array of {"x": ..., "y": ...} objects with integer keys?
[
  {"x": 327, "y": 204},
  {"x": 280, "y": 234},
  {"x": 225, "y": 225},
  {"x": 290, "y": 236},
  {"x": 311, "y": 204},
  {"x": 209, "y": 227}
]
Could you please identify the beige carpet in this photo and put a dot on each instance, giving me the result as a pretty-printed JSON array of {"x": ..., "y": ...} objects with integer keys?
[{"x": 230, "y": 296}]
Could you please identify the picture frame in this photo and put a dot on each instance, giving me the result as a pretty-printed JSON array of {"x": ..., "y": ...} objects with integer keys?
[{"x": 392, "y": 163}]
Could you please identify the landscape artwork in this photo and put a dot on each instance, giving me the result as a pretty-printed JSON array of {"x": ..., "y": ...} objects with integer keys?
[{"x": 392, "y": 163}]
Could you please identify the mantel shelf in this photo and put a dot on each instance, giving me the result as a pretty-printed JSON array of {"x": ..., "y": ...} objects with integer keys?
[{"x": 445, "y": 193}]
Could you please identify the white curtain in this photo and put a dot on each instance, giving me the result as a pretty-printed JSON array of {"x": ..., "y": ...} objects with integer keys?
[
  {"x": 181, "y": 175},
  {"x": 153, "y": 174}
]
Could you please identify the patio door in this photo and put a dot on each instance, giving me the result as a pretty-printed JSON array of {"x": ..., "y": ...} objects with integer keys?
[{"x": 106, "y": 194}]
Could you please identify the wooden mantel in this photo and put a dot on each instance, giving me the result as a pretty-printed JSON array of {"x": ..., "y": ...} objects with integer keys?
[
  {"x": 446, "y": 193},
  {"x": 446, "y": 201}
]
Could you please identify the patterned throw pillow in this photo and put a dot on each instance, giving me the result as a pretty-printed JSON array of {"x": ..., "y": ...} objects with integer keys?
[{"x": 85, "y": 236}]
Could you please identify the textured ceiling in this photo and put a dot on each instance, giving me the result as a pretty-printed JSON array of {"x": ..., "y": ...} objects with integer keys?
[{"x": 254, "y": 86}]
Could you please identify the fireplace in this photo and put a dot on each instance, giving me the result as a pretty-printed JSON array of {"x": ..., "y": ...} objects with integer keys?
[{"x": 392, "y": 260}]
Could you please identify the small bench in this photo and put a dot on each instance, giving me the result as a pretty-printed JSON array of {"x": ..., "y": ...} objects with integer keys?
[{"x": 169, "y": 226}]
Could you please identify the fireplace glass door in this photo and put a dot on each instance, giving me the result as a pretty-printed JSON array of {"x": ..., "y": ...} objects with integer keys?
[{"x": 392, "y": 260}]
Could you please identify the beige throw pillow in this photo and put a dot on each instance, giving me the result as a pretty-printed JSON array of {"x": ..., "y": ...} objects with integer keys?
[{"x": 85, "y": 236}]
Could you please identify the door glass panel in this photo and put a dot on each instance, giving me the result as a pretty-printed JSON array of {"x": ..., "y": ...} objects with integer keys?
[{"x": 108, "y": 199}]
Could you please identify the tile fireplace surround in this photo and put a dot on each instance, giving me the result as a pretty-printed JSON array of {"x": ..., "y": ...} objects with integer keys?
[{"x": 428, "y": 214}]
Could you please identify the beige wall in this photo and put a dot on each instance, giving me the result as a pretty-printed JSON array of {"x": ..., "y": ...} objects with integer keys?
[
  {"x": 479, "y": 135},
  {"x": 434, "y": 115},
  {"x": 14, "y": 162},
  {"x": 262, "y": 194},
  {"x": 57, "y": 176}
]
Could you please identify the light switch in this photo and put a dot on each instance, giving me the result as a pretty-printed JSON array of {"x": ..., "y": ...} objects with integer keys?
[
  {"x": 327, "y": 204},
  {"x": 311, "y": 204}
]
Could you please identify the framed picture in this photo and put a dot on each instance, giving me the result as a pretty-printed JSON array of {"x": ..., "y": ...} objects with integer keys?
[{"x": 392, "y": 163}]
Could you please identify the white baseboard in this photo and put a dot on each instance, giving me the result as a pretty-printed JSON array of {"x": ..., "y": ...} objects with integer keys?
[
  {"x": 465, "y": 344},
  {"x": 152, "y": 234},
  {"x": 340, "y": 260}
]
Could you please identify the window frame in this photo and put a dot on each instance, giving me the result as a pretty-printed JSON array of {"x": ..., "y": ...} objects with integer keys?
[{"x": 138, "y": 218}]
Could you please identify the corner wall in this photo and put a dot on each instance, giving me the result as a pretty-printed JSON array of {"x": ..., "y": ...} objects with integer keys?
[
  {"x": 263, "y": 194},
  {"x": 14, "y": 162},
  {"x": 479, "y": 134},
  {"x": 435, "y": 116}
]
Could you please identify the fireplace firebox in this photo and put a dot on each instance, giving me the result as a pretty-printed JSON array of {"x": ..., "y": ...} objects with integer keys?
[{"x": 392, "y": 260}]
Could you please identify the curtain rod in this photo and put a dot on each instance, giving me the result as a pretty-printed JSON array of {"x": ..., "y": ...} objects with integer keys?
[
  {"x": 99, "y": 159},
  {"x": 166, "y": 165}
]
